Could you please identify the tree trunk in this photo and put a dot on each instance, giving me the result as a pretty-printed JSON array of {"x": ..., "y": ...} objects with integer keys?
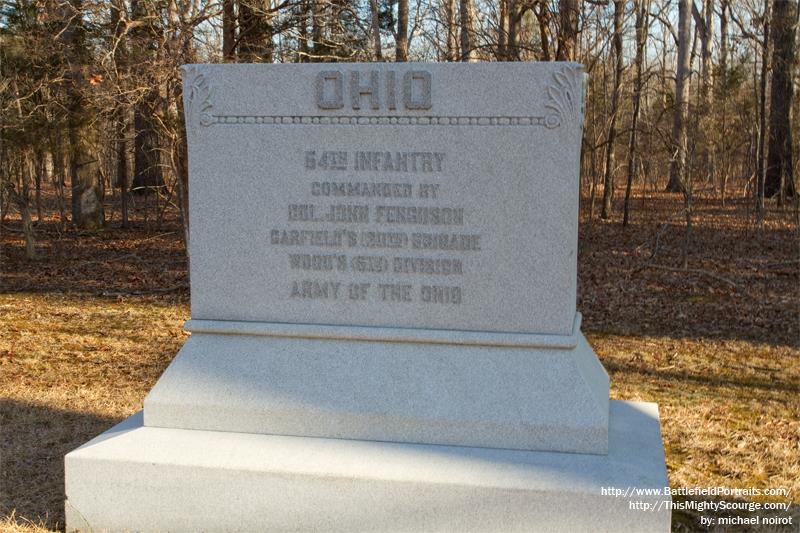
[
  {"x": 146, "y": 160},
  {"x": 120, "y": 117},
  {"x": 502, "y": 31},
  {"x": 514, "y": 20},
  {"x": 707, "y": 90},
  {"x": 228, "y": 31},
  {"x": 543, "y": 17},
  {"x": 467, "y": 52},
  {"x": 779, "y": 179},
  {"x": 321, "y": 51},
  {"x": 401, "y": 48},
  {"x": 27, "y": 231},
  {"x": 87, "y": 195},
  {"x": 568, "y": 12},
  {"x": 376, "y": 28},
  {"x": 762, "y": 124},
  {"x": 180, "y": 157},
  {"x": 723, "y": 82},
  {"x": 677, "y": 170},
  {"x": 145, "y": 39},
  {"x": 608, "y": 181},
  {"x": 59, "y": 176},
  {"x": 86, "y": 185},
  {"x": 302, "y": 32},
  {"x": 452, "y": 30},
  {"x": 255, "y": 32},
  {"x": 122, "y": 165},
  {"x": 38, "y": 175},
  {"x": 642, "y": 8},
  {"x": 21, "y": 201}
]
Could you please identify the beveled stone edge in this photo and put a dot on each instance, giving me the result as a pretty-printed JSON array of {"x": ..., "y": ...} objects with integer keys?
[
  {"x": 202, "y": 465},
  {"x": 386, "y": 334}
]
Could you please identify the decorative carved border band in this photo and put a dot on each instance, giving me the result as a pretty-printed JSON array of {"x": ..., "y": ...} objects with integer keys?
[{"x": 393, "y": 120}]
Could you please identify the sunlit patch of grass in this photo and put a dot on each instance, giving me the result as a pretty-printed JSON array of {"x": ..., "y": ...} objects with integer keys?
[
  {"x": 730, "y": 409},
  {"x": 70, "y": 367},
  {"x": 14, "y": 524}
]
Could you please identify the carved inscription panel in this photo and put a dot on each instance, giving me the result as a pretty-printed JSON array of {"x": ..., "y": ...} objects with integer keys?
[{"x": 424, "y": 196}]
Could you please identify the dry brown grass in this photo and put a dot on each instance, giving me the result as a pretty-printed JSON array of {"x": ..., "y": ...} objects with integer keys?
[
  {"x": 12, "y": 524},
  {"x": 80, "y": 347},
  {"x": 70, "y": 367},
  {"x": 730, "y": 410}
]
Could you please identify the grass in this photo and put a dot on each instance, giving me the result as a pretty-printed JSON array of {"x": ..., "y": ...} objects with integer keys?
[
  {"x": 86, "y": 331},
  {"x": 730, "y": 410},
  {"x": 70, "y": 367}
]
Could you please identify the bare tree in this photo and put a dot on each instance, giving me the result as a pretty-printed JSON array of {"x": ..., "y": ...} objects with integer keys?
[
  {"x": 677, "y": 171},
  {"x": 542, "y": 12},
  {"x": 502, "y": 31},
  {"x": 608, "y": 182},
  {"x": 113, "y": 110},
  {"x": 401, "y": 47},
  {"x": 146, "y": 38},
  {"x": 679, "y": 178},
  {"x": 466, "y": 14},
  {"x": 703, "y": 23},
  {"x": 568, "y": 12},
  {"x": 761, "y": 155},
  {"x": 228, "y": 30},
  {"x": 87, "y": 185},
  {"x": 452, "y": 37},
  {"x": 376, "y": 29},
  {"x": 119, "y": 17},
  {"x": 255, "y": 32},
  {"x": 642, "y": 8},
  {"x": 723, "y": 84},
  {"x": 779, "y": 178}
]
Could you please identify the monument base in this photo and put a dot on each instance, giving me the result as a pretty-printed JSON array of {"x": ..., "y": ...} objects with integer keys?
[
  {"x": 452, "y": 388},
  {"x": 137, "y": 478}
]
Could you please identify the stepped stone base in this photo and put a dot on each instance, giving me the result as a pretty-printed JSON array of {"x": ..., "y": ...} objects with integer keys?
[
  {"x": 526, "y": 392},
  {"x": 137, "y": 478}
]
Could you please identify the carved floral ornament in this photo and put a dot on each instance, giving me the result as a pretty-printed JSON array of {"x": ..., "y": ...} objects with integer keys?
[
  {"x": 198, "y": 93},
  {"x": 564, "y": 107},
  {"x": 565, "y": 97}
]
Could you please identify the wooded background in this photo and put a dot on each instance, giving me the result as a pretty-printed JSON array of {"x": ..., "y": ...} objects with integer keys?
[
  {"x": 683, "y": 95},
  {"x": 689, "y": 256}
]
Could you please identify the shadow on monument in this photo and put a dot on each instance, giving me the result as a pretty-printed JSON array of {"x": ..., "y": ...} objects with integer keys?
[{"x": 33, "y": 441}]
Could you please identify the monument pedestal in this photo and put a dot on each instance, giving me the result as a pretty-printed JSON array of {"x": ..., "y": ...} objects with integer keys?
[
  {"x": 137, "y": 478},
  {"x": 494, "y": 390},
  {"x": 212, "y": 449}
]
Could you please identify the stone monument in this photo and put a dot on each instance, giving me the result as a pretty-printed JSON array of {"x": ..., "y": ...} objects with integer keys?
[{"x": 383, "y": 316}]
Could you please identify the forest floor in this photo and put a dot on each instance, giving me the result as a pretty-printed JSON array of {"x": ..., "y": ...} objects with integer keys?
[{"x": 88, "y": 327}]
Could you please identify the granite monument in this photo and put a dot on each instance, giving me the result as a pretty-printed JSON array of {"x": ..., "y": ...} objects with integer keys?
[{"x": 384, "y": 334}]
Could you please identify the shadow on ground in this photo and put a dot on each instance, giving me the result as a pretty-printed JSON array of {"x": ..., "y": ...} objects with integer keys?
[
  {"x": 739, "y": 284},
  {"x": 33, "y": 442}
]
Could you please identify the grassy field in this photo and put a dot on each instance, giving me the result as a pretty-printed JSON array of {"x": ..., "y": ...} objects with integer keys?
[{"x": 86, "y": 330}]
